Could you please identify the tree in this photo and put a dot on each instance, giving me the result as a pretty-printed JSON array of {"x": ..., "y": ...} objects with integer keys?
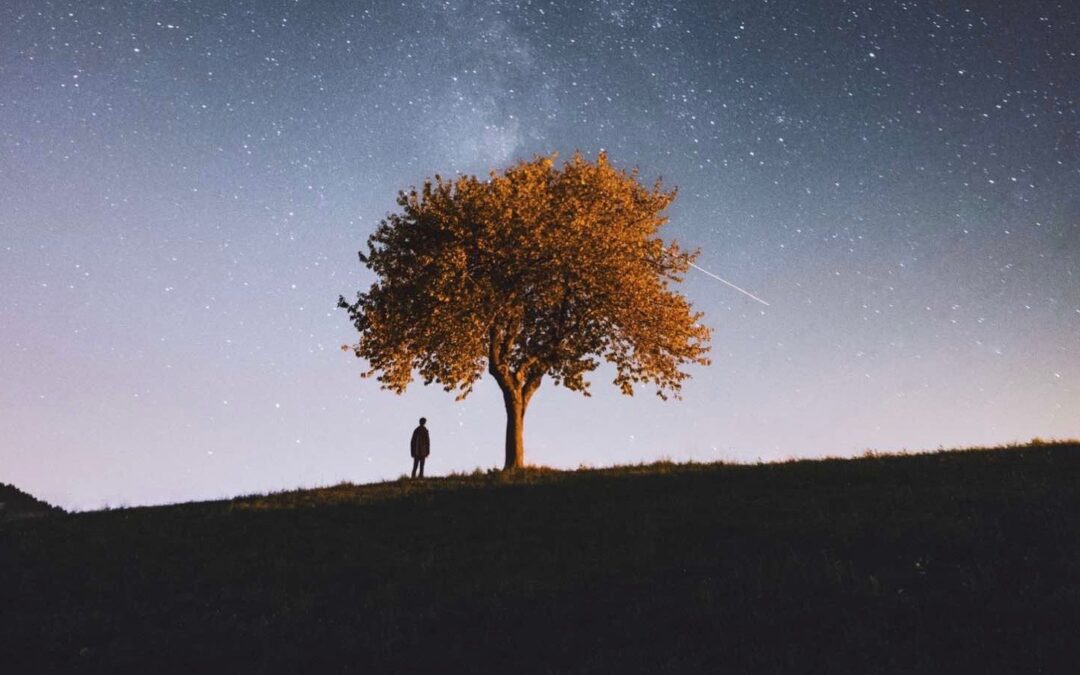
[{"x": 537, "y": 271}]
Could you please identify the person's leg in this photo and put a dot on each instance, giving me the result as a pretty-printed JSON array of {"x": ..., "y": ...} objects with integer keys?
[
  {"x": 422, "y": 466},
  {"x": 415, "y": 463}
]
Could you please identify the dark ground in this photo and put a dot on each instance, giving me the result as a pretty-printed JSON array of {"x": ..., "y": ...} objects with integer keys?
[
  {"x": 15, "y": 504},
  {"x": 943, "y": 563}
]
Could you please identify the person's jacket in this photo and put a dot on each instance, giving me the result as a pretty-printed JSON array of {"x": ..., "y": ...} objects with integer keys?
[{"x": 420, "y": 446}]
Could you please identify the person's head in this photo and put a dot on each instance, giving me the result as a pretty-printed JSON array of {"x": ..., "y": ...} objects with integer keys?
[{"x": 423, "y": 421}]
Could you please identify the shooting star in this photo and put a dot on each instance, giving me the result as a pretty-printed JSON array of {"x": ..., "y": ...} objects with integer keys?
[{"x": 725, "y": 281}]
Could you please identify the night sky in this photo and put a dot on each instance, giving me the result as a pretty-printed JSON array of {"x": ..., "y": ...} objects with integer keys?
[{"x": 184, "y": 187}]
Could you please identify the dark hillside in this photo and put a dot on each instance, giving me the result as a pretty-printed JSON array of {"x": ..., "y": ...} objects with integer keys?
[
  {"x": 14, "y": 503},
  {"x": 941, "y": 563}
]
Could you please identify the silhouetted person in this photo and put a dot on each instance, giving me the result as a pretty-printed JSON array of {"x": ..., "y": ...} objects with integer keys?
[{"x": 419, "y": 447}]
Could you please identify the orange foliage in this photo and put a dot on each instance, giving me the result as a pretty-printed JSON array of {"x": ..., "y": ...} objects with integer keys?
[{"x": 537, "y": 271}]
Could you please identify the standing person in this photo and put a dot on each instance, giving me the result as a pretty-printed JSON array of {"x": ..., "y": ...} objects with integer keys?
[{"x": 420, "y": 447}]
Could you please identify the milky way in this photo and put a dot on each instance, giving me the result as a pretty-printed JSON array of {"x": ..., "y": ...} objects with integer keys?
[{"x": 184, "y": 187}]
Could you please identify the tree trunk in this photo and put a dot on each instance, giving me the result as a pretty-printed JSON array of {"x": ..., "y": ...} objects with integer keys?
[{"x": 515, "y": 427}]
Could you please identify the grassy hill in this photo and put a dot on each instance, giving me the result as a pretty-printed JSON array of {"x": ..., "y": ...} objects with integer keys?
[
  {"x": 950, "y": 562},
  {"x": 14, "y": 504}
]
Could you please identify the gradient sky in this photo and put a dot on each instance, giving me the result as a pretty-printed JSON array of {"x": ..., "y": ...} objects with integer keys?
[{"x": 184, "y": 186}]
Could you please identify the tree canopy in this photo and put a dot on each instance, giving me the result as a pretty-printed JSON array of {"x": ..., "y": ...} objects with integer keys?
[{"x": 537, "y": 271}]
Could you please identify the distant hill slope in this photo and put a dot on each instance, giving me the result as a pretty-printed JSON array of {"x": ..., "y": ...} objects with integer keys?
[
  {"x": 951, "y": 562},
  {"x": 14, "y": 503}
]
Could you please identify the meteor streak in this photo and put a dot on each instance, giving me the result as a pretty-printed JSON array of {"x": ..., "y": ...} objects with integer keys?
[{"x": 725, "y": 281}]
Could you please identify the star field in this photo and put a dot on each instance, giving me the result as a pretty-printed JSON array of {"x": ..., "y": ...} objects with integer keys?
[{"x": 184, "y": 187}]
